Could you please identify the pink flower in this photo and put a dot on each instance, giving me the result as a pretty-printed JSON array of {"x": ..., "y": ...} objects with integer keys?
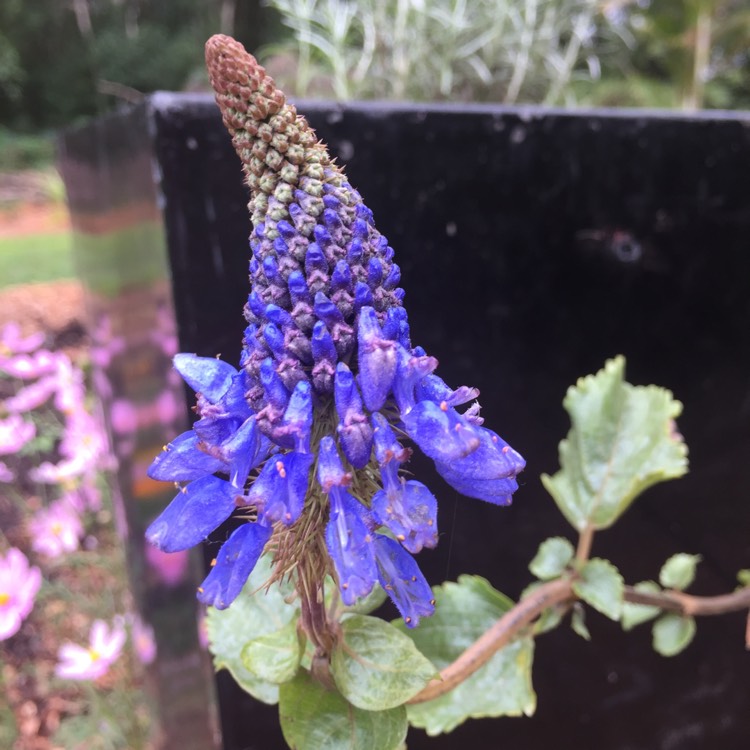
[
  {"x": 11, "y": 341},
  {"x": 6, "y": 474},
  {"x": 27, "y": 366},
  {"x": 15, "y": 432},
  {"x": 170, "y": 567},
  {"x": 19, "y": 585},
  {"x": 55, "y": 530},
  {"x": 144, "y": 643},
  {"x": 91, "y": 662},
  {"x": 32, "y": 395}
]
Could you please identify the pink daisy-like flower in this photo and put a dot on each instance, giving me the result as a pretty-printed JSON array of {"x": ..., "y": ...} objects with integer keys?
[
  {"x": 91, "y": 662},
  {"x": 55, "y": 530},
  {"x": 144, "y": 643},
  {"x": 19, "y": 584},
  {"x": 12, "y": 342},
  {"x": 15, "y": 432}
]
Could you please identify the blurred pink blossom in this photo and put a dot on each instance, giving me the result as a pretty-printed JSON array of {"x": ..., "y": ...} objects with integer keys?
[
  {"x": 6, "y": 474},
  {"x": 89, "y": 663},
  {"x": 55, "y": 530},
  {"x": 144, "y": 643},
  {"x": 19, "y": 584},
  {"x": 15, "y": 432},
  {"x": 11, "y": 341},
  {"x": 31, "y": 396},
  {"x": 124, "y": 416},
  {"x": 27, "y": 366},
  {"x": 170, "y": 567}
]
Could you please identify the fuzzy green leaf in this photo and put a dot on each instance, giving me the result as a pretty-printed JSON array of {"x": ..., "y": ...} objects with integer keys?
[
  {"x": 743, "y": 577},
  {"x": 679, "y": 571},
  {"x": 601, "y": 586},
  {"x": 622, "y": 441},
  {"x": 552, "y": 558},
  {"x": 635, "y": 614},
  {"x": 672, "y": 633},
  {"x": 255, "y": 613},
  {"x": 502, "y": 687},
  {"x": 274, "y": 657},
  {"x": 578, "y": 622},
  {"x": 313, "y": 718},
  {"x": 376, "y": 666}
]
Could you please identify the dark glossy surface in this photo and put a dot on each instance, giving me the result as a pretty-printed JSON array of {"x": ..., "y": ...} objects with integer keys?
[{"x": 533, "y": 246}]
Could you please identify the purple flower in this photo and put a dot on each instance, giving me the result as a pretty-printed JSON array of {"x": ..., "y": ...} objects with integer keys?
[
  {"x": 144, "y": 642},
  {"x": 93, "y": 661},
  {"x": 19, "y": 584},
  {"x": 302, "y": 439}
]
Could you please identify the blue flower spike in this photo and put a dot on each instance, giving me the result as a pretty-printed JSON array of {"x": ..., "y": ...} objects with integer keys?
[{"x": 308, "y": 440}]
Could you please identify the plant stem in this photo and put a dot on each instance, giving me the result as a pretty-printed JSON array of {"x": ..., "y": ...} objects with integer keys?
[
  {"x": 557, "y": 592},
  {"x": 500, "y": 634},
  {"x": 688, "y": 605},
  {"x": 584, "y": 544}
]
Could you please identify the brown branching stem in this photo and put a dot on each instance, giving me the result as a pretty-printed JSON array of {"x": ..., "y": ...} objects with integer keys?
[{"x": 560, "y": 592}]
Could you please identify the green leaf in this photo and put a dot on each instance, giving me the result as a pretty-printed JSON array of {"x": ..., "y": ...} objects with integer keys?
[
  {"x": 679, "y": 571},
  {"x": 601, "y": 586},
  {"x": 502, "y": 687},
  {"x": 362, "y": 606},
  {"x": 743, "y": 577},
  {"x": 552, "y": 558},
  {"x": 672, "y": 633},
  {"x": 274, "y": 657},
  {"x": 635, "y": 614},
  {"x": 376, "y": 666},
  {"x": 254, "y": 613},
  {"x": 313, "y": 718},
  {"x": 622, "y": 441},
  {"x": 578, "y": 622}
]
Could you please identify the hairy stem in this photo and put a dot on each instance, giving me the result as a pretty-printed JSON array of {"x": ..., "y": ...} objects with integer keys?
[{"x": 686, "y": 604}]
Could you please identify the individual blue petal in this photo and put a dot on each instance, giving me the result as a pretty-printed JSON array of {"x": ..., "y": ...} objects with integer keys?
[
  {"x": 330, "y": 469},
  {"x": 245, "y": 450},
  {"x": 298, "y": 290},
  {"x": 362, "y": 296},
  {"x": 296, "y": 424},
  {"x": 355, "y": 432},
  {"x": 489, "y": 473},
  {"x": 234, "y": 563},
  {"x": 341, "y": 278},
  {"x": 280, "y": 489},
  {"x": 409, "y": 372},
  {"x": 256, "y": 304},
  {"x": 206, "y": 375},
  {"x": 377, "y": 360},
  {"x": 315, "y": 260},
  {"x": 396, "y": 327},
  {"x": 286, "y": 230},
  {"x": 403, "y": 581},
  {"x": 433, "y": 388},
  {"x": 194, "y": 513},
  {"x": 327, "y": 311},
  {"x": 322, "y": 344},
  {"x": 278, "y": 316},
  {"x": 409, "y": 510},
  {"x": 275, "y": 339},
  {"x": 275, "y": 390},
  {"x": 350, "y": 545},
  {"x": 183, "y": 461},
  {"x": 394, "y": 277},
  {"x": 441, "y": 432},
  {"x": 374, "y": 273}
]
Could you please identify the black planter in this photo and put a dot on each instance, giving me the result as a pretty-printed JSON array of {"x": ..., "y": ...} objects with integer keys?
[{"x": 534, "y": 244}]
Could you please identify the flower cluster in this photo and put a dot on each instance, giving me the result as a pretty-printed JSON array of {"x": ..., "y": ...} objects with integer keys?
[{"x": 307, "y": 439}]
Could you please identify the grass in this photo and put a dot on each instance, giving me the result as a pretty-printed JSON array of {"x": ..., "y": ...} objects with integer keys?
[{"x": 32, "y": 258}]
